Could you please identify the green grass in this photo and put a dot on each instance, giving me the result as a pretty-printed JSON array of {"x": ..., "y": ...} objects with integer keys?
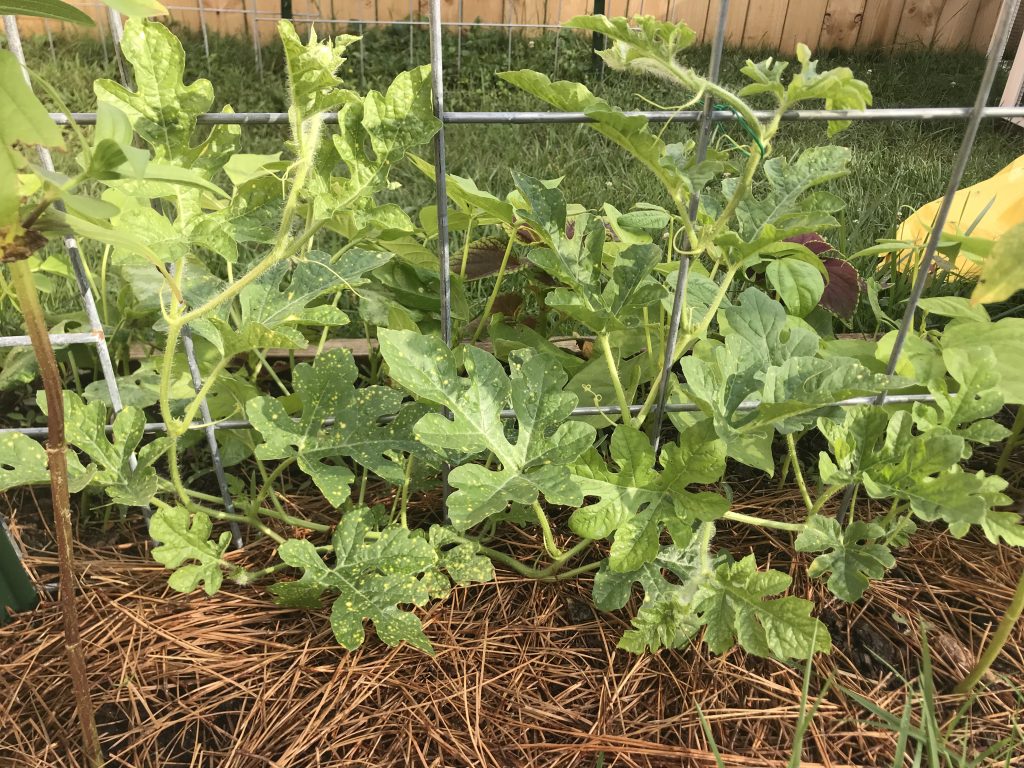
[{"x": 897, "y": 166}]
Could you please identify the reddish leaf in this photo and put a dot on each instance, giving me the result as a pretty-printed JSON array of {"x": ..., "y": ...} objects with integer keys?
[
  {"x": 814, "y": 242},
  {"x": 843, "y": 289}
]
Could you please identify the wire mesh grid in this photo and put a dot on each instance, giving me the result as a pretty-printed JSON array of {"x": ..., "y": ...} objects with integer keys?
[{"x": 704, "y": 117}]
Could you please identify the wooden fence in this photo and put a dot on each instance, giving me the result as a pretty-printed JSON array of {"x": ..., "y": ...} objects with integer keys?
[{"x": 768, "y": 24}]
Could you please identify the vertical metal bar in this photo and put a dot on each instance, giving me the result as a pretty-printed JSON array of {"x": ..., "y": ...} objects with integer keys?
[
  {"x": 49, "y": 40},
  {"x": 257, "y": 47},
  {"x": 440, "y": 169},
  {"x": 412, "y": 33},
  {"x": 996, "y": 46},
  {"x": 703, "y": 137},
  {"x": 206, "y": 34},
  {"x": 509, "y": 23},
  {"x": 441, "y": 190},
  {"x": 598, "y": 41},
  {"x": 558, "y": 37},
  {"x": 211, "y": 435},
  {"x": 458, "y": 54},
  {"x": 117, "y": 33},
  {"x": 362, "y": 57}
]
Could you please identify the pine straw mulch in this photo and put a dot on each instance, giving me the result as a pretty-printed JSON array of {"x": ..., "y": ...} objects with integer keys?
[{"x": 525, "y": 673}]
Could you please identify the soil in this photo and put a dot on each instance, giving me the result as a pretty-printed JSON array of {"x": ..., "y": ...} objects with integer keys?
[{"x": 524, "y": 673}]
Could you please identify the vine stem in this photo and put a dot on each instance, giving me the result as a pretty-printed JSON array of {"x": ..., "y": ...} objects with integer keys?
[
  {"x": 1011, "y": 441},
  {"x": 763, "y": 522},
  {"x": 827, "y": 494},
  {"x": 545, "y": 527},
  {"x": 687, "y": 340},
  {"x": 798, "y": 473},
  {"x": 613, "y": 372},
  {"x": 495, "y": 290},
  {"x": 56, "y": 455},
  {"x": 999, "y": 638}
]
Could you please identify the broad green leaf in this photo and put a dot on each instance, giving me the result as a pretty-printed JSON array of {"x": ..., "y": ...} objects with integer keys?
[
  {"x": 374, "y": 132},
  {"x": 976, "y": 398},
  {"x": 799, "y": 285},
  {"x": 636, "y": 501},
  {"x": 22, "y": 461},
  {"x": 459, "y": 562},
  {"x": 536, "y": 464},
  {"x": 838, "y": 87},
  {"x": 643, "y": 42},
  {"x": 666, "y": 622},
  {"x": 161, "y": 109},
  {"x": 313, "y": 86},
  {"x": 955, "y": 307},
  {"x": 853, "y": 556},
  {"x": 185, "y": 538},
  {"x": 789, "y": 206},
  {"x": 84, "y": 426},
  {"x": 1005, "y": 337},
  {"x": 959, "y": 498},
  {"x": 738, "y": 605},
  {"x": 23, "y": 120},
  {"x": 773, "y": 359},
  {"x": 285, "y": 298},
  {"x": 1002, "y": 273},
  {"x": 372, "y": 577},
  {"x": 327, "y": 390},
  {"x": 46, "y": 9}
]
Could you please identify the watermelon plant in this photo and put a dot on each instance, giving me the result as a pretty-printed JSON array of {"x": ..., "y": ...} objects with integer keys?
[{"x": 253, "y": 252}]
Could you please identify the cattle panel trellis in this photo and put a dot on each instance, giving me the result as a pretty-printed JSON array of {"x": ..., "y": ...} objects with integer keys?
[{"x": 704, "y": 117}]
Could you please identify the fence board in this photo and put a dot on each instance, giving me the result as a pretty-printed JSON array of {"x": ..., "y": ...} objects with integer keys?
[
  {"x": 842, "y": 24},
  {"x": 985, "y": 24},
  {"x": 881, "y": 20},
  {"x": 918, "y": 22},
  {"x": 765, "y": 21},
  {"x": 955, "y": 23},
  {"x": 751, "y": 23},
  {"x": 804, "y": 21},
  {"x": 695, "y": 13},
  {"x": 736, "y": 22}
]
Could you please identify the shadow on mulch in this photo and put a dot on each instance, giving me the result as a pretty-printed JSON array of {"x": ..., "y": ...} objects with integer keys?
[{"x": 525, "y": 673}]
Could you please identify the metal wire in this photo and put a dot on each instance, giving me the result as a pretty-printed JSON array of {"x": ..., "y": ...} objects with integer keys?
[{"x": 554, "y": 118}]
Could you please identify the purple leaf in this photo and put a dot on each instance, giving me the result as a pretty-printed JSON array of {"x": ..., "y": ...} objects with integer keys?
[
  {"x": 483, "y": 258},
  {"x": 843, "y": 289},
  {"x": 814, "y": 242}
]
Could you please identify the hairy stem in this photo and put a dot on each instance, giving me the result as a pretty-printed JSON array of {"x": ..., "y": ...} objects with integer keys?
[
  {"x": 798, "y": 473},
  {"x": 545, "y": 527},
  {"x": 495, "y": 290},
  {"x": 613, "y": 373},
  {"x": 763, "y": 522},
  {"x": 999, "y": 638},
  {"x": 1011, "y": 441},
  {"x": 56, "y": 454}
]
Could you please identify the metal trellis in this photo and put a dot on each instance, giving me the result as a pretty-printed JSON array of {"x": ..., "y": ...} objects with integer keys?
[{"x": 703, "y": 117}]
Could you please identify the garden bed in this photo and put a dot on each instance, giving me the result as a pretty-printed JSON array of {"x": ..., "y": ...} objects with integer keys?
[{"x": 525, "y": 673}]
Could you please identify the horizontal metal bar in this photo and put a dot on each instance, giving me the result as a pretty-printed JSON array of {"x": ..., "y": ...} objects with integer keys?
[
  {"x": 57, "y": 339},
  {"x": 693, "y": 115},
  {"x": 686, "y": 116},
  {"x": 156, "y": 427}
]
